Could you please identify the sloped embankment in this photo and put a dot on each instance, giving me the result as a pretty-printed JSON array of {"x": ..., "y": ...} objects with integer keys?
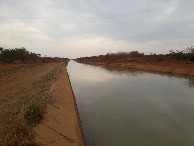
[{"x": 61, "y": 123}]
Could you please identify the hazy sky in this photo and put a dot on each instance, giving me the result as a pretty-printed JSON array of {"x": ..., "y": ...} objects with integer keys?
[{"x": 74, "y": 28}]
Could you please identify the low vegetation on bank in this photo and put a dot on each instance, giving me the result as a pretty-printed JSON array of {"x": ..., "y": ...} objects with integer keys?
[
  {"x": 21, "y": 111},
  {"x": 19, "y": 114},
  {"x": 135, "y": 56},
  {"x": 21, "y": 55}
]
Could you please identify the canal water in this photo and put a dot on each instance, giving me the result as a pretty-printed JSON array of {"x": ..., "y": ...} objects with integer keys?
[{"x": 133, "y": 108}]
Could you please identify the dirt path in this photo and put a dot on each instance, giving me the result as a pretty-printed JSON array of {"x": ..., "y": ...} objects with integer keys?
[
  {"x": 60, "y": 125},
  {"x": 11, "y": 82}
]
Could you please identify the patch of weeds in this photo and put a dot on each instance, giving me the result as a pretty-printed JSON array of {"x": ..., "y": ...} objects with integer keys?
[
  {"x": 17, "y": 133},
  {"x": 34, "y": 113}
]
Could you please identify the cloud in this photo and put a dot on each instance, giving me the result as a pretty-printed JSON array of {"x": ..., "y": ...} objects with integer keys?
[{"x": 85, "y": 27}]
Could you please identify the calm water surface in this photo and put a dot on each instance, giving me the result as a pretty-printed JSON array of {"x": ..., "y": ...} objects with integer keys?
[{"x": 133, "y": 108}]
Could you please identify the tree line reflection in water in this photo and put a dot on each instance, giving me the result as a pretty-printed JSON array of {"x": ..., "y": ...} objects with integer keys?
[{"x": 185, "y": 80}]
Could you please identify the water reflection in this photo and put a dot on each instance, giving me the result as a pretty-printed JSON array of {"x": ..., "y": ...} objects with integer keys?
[
  {"x": 122, "y": 71},
  {"x": 190, "y": 82},
  {"x": 98, "y": 75},
  {"x": 93, "y": 74},
  {"x": 187, "y": 81},
  {"x": 120, "y": 107}
]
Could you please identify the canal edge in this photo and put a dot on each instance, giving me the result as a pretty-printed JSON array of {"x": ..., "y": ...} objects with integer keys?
[{"x": 77, "y": 112}]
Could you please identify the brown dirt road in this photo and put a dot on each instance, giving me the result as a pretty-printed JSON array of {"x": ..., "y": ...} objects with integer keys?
[
  {"x": 11, "y": 80},
  {"x": 60, "y": 124}
]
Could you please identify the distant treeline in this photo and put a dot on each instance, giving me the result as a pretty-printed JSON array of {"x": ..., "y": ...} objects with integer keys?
[
  {"x": 21, "y": 55},
  {"x": 184, "y": 55}
]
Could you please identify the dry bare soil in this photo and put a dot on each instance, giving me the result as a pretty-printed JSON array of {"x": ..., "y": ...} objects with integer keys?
[{"x": 23, "y": 88}]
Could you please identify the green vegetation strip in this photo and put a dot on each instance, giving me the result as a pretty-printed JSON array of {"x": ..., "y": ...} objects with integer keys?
[{"x": 19, "y": 117}]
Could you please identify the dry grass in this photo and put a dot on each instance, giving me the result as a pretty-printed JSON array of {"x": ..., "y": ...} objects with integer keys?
[{"x": 20, "y": 113}]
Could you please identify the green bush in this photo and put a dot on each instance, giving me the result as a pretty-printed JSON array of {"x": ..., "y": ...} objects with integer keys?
[
  {"x": 10, "y": 55},
  {"x": 34, "y": 113},
  {"x": 186, "y": 54}
]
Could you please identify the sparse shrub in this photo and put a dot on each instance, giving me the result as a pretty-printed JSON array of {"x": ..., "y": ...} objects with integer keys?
[
  {"x": 191, "y": 58},
  {"x": 34, "y": 113},
  {"x": 10, "y": 55},
  {"x": 24, "y": 56},
  {"x": 135, "y": 56}
]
